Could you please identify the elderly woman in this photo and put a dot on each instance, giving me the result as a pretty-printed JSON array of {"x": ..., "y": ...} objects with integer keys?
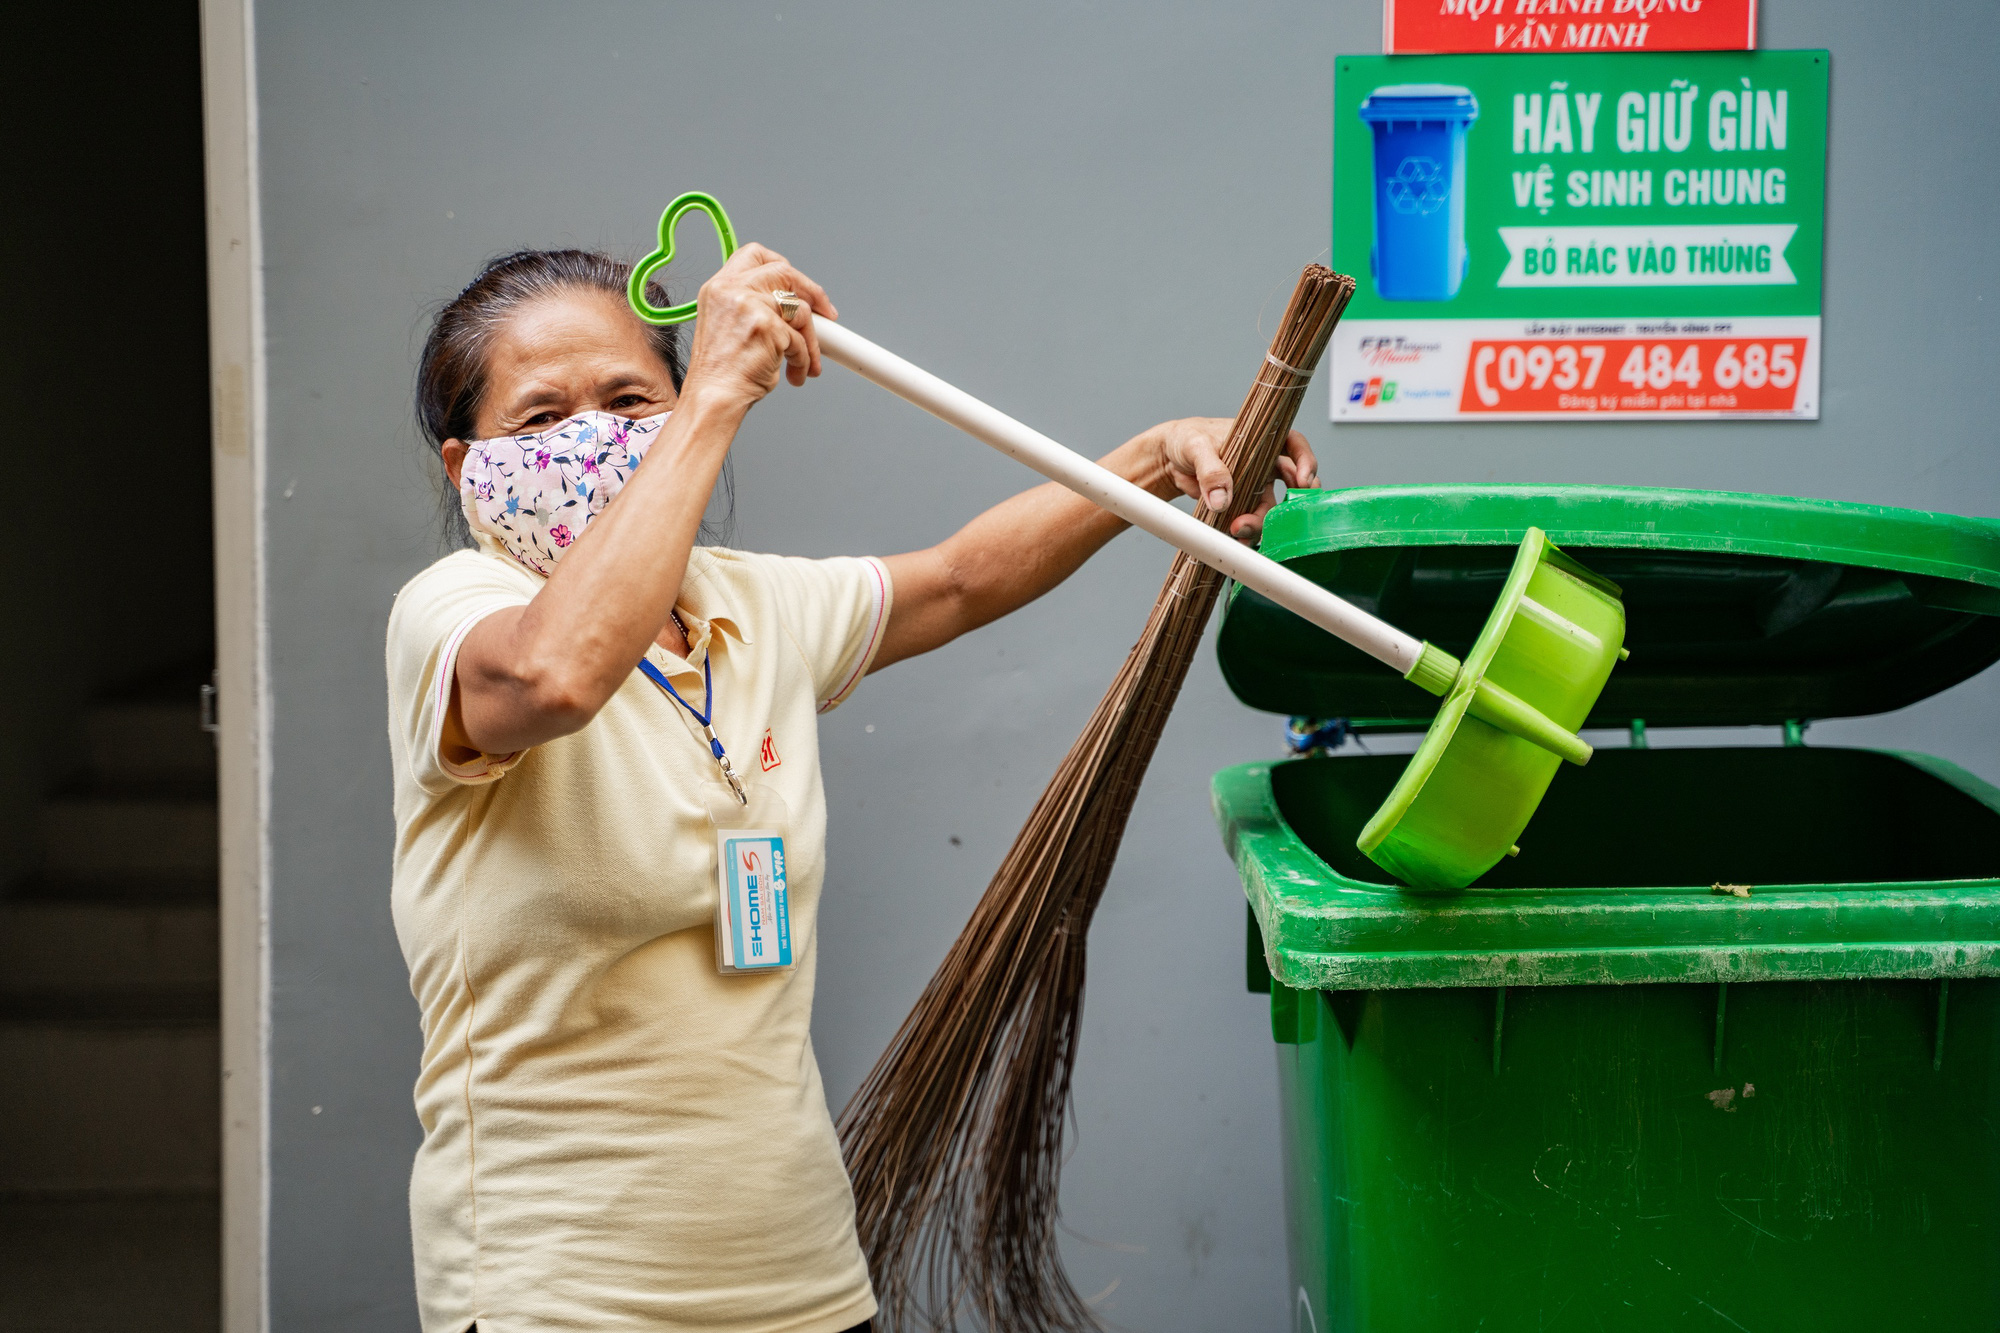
[{"x": 623, "y": 1122}]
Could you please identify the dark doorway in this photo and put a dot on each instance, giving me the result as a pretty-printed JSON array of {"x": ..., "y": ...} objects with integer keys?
[{"x": 109, "y": 1113}]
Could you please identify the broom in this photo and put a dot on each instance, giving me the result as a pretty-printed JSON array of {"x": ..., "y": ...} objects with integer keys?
[{"x": 954, "y": 1141}]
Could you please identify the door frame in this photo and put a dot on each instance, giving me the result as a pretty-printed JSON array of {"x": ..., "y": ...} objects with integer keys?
[{"x": 236, "y": 454}]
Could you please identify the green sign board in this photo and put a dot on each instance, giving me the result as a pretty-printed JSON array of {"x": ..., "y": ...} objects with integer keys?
[{"x": 1579, "y": 235}]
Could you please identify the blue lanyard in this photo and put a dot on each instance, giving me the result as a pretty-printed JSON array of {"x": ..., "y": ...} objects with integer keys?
[{"x": 707, "y": 712}]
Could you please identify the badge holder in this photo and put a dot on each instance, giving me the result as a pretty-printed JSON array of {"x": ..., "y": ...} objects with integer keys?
[{"x": 753, "y": 917}]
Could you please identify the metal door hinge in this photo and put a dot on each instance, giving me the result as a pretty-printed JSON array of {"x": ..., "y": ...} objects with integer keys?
[{"x": 209, "y": 723}]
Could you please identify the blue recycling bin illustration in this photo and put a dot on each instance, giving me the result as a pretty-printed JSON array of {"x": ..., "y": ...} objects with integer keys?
[{"x": 1420, "y": 129}]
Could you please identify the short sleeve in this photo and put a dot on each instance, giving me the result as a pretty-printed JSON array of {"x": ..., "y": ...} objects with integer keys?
[
  {"x": 432, "y": 615},
  {"x": 835, "y": 612}
]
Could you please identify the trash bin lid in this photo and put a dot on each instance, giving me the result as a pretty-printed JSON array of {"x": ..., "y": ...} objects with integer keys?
[
  {"x": 1420, "y": 101},
  {"x": 1741, "y": 609}
]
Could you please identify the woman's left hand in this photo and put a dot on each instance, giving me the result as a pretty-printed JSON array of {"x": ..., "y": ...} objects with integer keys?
[{"x": 1190, "y": 457}]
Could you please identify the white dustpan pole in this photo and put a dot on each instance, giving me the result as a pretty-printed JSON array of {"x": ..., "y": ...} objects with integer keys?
[{"x": 1212, "y": 547}]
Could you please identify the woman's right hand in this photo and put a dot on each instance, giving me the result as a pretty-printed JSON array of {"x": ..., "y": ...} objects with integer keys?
[{"x": 741, "y": 342}]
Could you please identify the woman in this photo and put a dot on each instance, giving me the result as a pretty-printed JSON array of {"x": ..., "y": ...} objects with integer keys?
[{"x": 618, "y": 1133}]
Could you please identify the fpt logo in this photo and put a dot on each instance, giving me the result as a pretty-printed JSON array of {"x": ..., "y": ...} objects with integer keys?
[{"x": 1372, "y": 392}]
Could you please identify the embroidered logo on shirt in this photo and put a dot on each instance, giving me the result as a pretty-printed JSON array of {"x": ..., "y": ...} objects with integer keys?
[{"x": 768, "y": 755}]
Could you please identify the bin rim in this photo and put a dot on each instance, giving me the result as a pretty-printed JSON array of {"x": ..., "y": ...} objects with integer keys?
[
  {"x": 1950, "y": 546},
  {"x": 1324, "y": 931}
]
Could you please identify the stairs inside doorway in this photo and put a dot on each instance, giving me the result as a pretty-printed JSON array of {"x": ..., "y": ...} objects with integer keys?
[{"x": 110, "y": 1105}]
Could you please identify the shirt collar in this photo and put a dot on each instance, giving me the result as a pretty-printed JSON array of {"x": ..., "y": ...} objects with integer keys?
[
  {"x": 701, "y": 635},
  {"x": 699, "y": 605},
  {"x": 700, "y": 622}
]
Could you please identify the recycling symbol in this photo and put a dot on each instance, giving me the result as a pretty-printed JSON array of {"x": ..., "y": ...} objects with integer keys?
[{"x": 1418, "y": 186}]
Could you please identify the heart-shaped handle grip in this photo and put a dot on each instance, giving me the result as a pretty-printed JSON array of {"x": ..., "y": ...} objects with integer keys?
[{"x": 635, "y": 290}]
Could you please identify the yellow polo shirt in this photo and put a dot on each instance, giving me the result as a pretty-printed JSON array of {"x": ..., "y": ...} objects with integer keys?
[{"x": 616, "y": 1136}]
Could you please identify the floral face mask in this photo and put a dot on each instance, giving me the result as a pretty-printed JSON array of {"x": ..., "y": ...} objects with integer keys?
[{"x": 535, "y": 494}]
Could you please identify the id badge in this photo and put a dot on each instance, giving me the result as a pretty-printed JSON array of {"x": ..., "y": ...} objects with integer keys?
[{"x": 753, "y": 916}]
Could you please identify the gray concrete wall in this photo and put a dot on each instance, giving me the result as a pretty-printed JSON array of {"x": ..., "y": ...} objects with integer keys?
[{"x": 1090, "y": 215}]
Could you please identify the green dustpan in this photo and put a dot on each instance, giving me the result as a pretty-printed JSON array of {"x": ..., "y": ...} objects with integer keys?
[
  {"x": 1472, "y": 786},
  {"x": 1511, "y": 709}
]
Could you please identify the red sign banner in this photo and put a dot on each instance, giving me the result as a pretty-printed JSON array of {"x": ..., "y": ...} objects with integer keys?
[
  {"x": 1666, "y": 374},
  {"x": 1413, "y": 27}
]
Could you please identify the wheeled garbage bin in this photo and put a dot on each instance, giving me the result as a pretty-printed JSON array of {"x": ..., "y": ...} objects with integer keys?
[
  {"x": 1601, "y": 1088},
  {"x": 1419, "y": 131}
]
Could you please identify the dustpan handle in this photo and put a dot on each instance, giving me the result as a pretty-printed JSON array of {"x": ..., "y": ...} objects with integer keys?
[
  {"x": 1216, "y": 549},
  {"x": 1139, "y": 507},
  {"x": 1421, "y": 663}
]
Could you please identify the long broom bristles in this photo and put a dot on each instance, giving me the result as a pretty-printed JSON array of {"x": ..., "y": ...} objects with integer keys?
[{"x": 955, "y": 1140}]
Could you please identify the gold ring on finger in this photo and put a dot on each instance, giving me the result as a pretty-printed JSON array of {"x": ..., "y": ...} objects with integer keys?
[{"x": 789, "y": 305}]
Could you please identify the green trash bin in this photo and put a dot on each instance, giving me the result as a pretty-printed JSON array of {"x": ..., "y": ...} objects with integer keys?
[{"x": 1593, "y": 1091}]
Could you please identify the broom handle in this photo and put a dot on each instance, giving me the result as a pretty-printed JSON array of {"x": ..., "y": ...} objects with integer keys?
[{"x": 1211, "y": 546}]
